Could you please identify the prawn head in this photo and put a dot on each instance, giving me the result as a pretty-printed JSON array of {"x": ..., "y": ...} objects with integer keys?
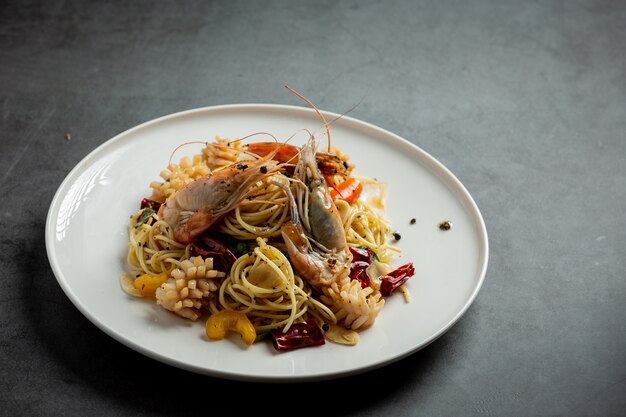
[{"x": 196, "y": 207}]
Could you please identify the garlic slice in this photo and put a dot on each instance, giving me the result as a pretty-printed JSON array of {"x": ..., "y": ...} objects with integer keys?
[
  {"x": 376, "y": 271},
  {"x": 341, "y": 335},
  {"x": 127, "y": 282}
]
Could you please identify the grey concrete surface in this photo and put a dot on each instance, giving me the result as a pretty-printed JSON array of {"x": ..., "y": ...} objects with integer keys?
[{"x": 525, "y": 101}]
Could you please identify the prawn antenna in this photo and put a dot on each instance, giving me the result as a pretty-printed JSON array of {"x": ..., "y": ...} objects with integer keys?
[
  {"x": 254, "y": 134},
  {"x": 345, "y": 113},
  {"x": 197, "y": 142},
  {"x": 319, "y": 113}
]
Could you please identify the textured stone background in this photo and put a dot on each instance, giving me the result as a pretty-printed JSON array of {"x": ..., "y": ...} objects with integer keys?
[{"x": 525, "y": 101}]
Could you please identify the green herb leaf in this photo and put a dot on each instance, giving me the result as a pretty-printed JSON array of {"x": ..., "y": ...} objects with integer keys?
[{"x": 145, "y": 215}]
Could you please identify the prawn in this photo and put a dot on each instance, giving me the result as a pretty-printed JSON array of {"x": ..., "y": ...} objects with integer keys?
[
  {"x": 327, "y": 268},
  {"x": 197, "y": 206},
  {"x": 315, "y": 238},
  {"x": 317, "y": 245}
]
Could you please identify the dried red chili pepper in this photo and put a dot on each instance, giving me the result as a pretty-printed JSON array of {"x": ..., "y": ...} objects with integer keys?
[
  {"x": 396, "y": 278},
  {"x": 358, "y": 272},
  {"x": 299, "y": 335},
  {"x": 361, "y": 259},
  {"x": 361, "y": 254},
  {"x": 207, "y": 246}
]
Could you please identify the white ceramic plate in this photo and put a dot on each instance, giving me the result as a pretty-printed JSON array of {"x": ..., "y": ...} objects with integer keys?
[{"x": 86, "y": 241}]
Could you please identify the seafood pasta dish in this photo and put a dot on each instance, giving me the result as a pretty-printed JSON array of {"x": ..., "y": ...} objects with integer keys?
[{"x": 267, "y": 240}]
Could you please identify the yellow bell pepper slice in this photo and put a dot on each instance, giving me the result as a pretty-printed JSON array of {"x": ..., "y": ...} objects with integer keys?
[
  {"x": 220, "y": 323},
  {"x": 147, "y": 284}
]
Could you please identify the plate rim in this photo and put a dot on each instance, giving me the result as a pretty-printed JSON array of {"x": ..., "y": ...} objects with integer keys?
[{"x": 433, "y": 166}]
